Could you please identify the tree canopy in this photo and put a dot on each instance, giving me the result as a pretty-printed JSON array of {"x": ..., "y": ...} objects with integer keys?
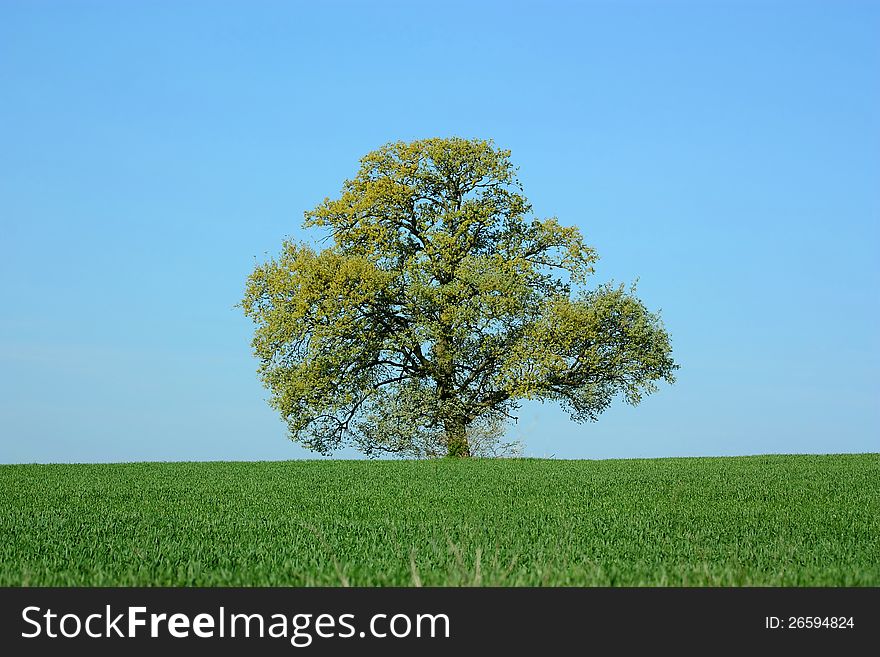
[{"x": 440, "y": 303}]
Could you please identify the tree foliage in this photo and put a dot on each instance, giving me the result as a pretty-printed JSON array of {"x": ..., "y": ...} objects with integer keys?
[{"x": 439, "y": 304}]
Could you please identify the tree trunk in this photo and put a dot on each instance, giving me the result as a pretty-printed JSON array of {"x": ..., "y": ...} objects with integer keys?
[
  {"x": 455, "y": 427},
  {"x": 456, "y": 439}
]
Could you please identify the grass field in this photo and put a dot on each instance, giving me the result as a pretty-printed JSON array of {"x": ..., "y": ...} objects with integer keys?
[{"x": 766, "y": 520}]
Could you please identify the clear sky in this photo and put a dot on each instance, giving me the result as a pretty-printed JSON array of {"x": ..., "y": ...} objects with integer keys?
[{"x": 727, "y": 154}]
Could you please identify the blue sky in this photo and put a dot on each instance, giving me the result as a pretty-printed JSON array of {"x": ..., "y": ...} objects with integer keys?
[{"x": 727, "y": 154}]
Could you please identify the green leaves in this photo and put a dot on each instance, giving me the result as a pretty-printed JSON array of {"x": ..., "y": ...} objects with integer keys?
[
  {"x": 584, "y": 351},
  {"x": 440, "y": 303}
]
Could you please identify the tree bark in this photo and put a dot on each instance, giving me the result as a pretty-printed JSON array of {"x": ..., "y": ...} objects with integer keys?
[{"x": 457, "y": 445}]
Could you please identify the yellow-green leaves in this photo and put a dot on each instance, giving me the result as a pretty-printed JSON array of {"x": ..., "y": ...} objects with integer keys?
[
  {"x": 440, "y": 303},
  {"x": 584, "y": 351}
]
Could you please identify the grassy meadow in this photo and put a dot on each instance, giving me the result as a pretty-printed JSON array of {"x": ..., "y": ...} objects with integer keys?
[{"x": 763, "y": 520}]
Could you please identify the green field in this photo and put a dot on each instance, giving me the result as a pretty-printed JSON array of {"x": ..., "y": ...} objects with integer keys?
[{"x": 763, "y": 520}]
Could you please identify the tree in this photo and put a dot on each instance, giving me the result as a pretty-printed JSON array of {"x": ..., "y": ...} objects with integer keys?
[{"x": 441, "y": 303}]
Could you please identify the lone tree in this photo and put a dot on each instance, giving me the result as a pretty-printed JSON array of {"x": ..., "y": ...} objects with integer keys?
[{"x": 440, "y": 304}]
